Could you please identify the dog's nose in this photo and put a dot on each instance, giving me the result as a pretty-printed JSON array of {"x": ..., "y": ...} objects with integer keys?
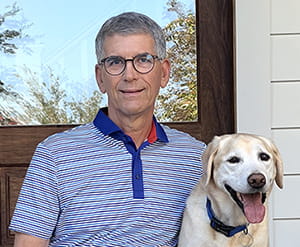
[{"x": 256, "y": 180}]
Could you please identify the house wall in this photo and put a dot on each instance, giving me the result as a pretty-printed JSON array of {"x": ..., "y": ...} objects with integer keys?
[{"x": 268, "y": 97}]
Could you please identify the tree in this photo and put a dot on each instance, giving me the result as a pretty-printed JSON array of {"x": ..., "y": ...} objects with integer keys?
[
  {"x": 45, "y": 101},
  {"x": 179, "y": 99},
  {"x": 11, "y": 30},
  {"x": 48, "y": 103},
  {"x": 7, "y": 36},
  {"x": 6, "y": 94}
]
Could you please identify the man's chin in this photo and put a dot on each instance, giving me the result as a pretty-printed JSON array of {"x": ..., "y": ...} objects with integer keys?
[{"x": 136, "y": 110}]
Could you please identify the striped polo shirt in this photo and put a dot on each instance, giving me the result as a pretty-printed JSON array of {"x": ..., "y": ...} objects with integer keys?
[{"x": 90, "y": 186}]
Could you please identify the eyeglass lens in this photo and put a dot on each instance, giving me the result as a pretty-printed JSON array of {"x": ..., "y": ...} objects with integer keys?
[{"x": 142, "y": 63}]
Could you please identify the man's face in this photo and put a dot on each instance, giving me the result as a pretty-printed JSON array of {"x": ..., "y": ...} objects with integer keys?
[{"x": 132, "y": 93}]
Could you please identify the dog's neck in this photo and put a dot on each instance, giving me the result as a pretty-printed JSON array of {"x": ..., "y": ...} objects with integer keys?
[
  {"x": 219, "y": 226},
  {"x": 221, "y": 206}
]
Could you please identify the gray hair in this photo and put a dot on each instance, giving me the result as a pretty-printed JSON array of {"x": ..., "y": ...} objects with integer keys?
[{"x": 131, "y": 23}]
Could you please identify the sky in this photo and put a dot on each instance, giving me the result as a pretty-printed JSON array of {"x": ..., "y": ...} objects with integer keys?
[{"x": 62, "y": 34}]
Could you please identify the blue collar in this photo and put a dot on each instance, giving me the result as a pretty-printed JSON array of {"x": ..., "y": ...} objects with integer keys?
[
  {"x": 108, "y": 127},
  {"x": 219, "y": 226}
]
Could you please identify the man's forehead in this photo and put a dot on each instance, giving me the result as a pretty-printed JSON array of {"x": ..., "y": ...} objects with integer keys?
[{"x": 131, "y": 43}]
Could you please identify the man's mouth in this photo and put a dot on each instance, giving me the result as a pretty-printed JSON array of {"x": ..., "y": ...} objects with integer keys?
[
  {"x": 131, "y": 91},
  {"x": 251, "y": 204}
]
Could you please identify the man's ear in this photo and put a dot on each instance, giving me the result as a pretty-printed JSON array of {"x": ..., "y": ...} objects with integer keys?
[
  {"x": 98, "y": 74},
  {"x": 166, "y": 70}
]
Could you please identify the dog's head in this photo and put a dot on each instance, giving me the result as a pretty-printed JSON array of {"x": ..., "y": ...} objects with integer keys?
[{"x": 245, "y": 167}]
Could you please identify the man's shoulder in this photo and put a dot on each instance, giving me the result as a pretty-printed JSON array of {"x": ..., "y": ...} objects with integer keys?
[
  {"x": 72, "y": 135},
  {"x": 175, "y": 135}
]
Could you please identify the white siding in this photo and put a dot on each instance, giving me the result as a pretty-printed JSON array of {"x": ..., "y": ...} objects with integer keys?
[
  {"x": 270, "y": 58},
  {"x": 285, "y": 40},
  {"x": 285, "y": 57},
  {"x": 286, "y": 233},
  {"x": 288, "y": 142},
  {"x": 286, "y": 104},
  {"x": 286, "y": 205},
  {"x": 285, "y": 16}
]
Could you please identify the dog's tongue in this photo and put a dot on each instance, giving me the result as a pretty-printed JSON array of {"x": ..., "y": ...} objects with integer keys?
[{"x": 253, "y": 207}]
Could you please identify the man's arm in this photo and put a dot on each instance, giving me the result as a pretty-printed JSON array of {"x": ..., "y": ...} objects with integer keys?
[{"x": 24, "y": 240}]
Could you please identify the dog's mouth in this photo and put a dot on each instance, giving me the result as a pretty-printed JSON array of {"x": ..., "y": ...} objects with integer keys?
[{"x": 251, "y": 204}]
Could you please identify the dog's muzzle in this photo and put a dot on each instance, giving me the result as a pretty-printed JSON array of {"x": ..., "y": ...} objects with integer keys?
[{"x": 251, "y": 203}]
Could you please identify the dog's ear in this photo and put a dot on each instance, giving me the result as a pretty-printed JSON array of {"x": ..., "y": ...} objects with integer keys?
[
  {"x": 278, "y": 161},
  {"x": 279, "y": 166},
  {"x": 209, "y": 156}
]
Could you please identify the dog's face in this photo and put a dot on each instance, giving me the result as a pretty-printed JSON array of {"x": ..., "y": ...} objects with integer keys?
[{"x": 245, "y": 167}]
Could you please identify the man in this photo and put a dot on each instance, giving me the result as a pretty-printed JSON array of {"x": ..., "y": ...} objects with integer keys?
[{"x": 123, "y": 179}]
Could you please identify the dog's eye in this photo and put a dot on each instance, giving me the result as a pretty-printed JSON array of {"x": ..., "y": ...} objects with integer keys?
[
  {"x": 264, "y": 156},
  {"x": 234, "y": 159}
]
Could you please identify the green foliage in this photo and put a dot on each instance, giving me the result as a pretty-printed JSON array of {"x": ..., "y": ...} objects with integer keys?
[
  {"x": 10, "y": 36},
  {"x": 179, "y": 99},
  {"x": 7, "y": 36},
  {"x": 44, "y": 101},
  {"x": 48, "y": 103},
  {"x": 86, "y": 109},
  {"x": 6, "y": 90}
]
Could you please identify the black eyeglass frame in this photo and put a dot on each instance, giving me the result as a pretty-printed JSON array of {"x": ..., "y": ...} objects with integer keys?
[{"x": 102, "y": 62}]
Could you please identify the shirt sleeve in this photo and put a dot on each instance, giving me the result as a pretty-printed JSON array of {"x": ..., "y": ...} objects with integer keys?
[{"x": 37, "y": 208}]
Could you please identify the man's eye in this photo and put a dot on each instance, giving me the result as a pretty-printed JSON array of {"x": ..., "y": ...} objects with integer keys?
[
  {"x": 145, "y": 59},
  {"x": 114, "y": 61}
]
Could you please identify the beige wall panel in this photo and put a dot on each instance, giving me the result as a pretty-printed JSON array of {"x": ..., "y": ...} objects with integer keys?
[
  {"x": 253, "y": 96},
  {"x": 286, "y": 201},
  {"x": 286, "y": 233},
  {"x": 285, "y": 16},
  {"x": 286, "y": 104},
  {"x": 285, "y": 57},
  {"x": 288, "y": 143}
]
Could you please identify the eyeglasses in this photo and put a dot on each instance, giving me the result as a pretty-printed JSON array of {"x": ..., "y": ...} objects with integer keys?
[{"x": 142, "y": 63}]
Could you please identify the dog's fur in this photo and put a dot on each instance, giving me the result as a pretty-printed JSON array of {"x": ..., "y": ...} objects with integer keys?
[{"x": 249, "y": 164}]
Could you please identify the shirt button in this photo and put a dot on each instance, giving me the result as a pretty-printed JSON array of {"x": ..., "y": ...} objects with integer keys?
[{"x": 137, "y": 176}]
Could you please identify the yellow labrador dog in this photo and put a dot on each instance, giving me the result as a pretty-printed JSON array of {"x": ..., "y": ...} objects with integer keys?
[{"x": 228, "y": 207}]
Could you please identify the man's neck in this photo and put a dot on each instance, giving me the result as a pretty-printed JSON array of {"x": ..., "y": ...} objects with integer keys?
[{"x": 137, "y": 127}]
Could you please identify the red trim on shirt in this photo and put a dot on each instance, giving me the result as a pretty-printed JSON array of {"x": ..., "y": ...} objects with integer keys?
[{"x": 152, "y": 137}]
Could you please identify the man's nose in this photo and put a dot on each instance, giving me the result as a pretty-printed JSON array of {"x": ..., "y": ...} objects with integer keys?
[{"x": 130, "y": 72}]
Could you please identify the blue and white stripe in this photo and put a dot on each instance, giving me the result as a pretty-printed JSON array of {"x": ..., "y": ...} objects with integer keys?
[{"x": 78, "y": 190}]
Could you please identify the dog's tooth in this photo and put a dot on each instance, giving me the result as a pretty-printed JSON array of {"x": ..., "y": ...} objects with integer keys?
[{"x": 239, "y": 195}]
